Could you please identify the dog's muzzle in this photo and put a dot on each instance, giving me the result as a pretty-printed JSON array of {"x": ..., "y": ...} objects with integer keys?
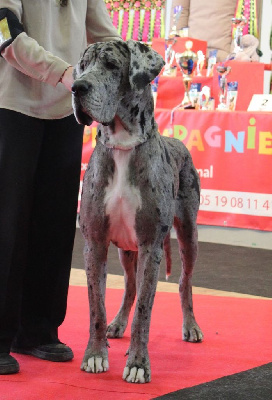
[{"x": 80, "y": 88}]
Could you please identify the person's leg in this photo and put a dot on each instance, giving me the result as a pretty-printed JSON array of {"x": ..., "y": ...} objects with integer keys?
[
  {"x": 20, "y": 140},
  {"x": 53, "y": 223}
]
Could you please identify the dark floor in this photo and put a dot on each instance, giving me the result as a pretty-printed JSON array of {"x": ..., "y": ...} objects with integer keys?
[
  {"x": 254, "y": 384},
  {"x": 222, "y": 267}
]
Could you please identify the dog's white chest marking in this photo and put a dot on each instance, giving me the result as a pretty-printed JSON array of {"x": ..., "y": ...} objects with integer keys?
[{"x": 122, "y": 201}]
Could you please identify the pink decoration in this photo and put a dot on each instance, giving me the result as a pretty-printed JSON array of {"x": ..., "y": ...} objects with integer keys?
[
  {"x": 157, "y": 26},
  {"x": 115, "y": 18},
  {"x": 246, "y": 15},
  {"x": 146, "y": 25},
  {"x": 125, "y": 26},
  {"x": 135, "y": 35}
]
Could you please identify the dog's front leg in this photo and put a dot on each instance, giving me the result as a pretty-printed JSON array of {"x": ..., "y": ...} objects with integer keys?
[
  {"x": 137, "y": 368},
  {"x": 96, "y": 355}
]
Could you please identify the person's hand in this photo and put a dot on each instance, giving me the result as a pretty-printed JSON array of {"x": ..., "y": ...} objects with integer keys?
[{"x": 67, "y": 79}]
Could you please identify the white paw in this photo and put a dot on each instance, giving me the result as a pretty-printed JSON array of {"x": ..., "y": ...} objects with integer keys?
[
  {"x": 95, "y": 365},
  {"x": 134, "y": 375}
]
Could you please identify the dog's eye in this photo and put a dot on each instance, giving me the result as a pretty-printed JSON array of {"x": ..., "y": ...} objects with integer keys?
[
  {"x": 82, "y": 64},
  {"x": 110, "y": 65}
]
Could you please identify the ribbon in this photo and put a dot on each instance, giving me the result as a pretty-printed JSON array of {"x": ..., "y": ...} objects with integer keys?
[
  {"x": 248, "y": 9},
  {"x": 125, "y": 25},
  {"x": 138, "y": 19},
  {"x": 145, "y": 35}
]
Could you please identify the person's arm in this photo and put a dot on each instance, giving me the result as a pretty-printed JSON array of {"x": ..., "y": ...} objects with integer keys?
[
  {"x": 25, "y": 54},
  {"x": 99, "y": 25}
]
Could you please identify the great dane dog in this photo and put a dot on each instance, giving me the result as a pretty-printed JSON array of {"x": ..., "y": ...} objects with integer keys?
[{"x": 138, "y": 185}]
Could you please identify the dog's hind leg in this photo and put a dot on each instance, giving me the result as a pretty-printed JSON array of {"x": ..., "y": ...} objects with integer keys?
[
  {"x": 187, "y": 205},
  {"x": 128, "y": 260},
  {"x": 188, "y": 248},
  {"x": 95, "y": 359}
]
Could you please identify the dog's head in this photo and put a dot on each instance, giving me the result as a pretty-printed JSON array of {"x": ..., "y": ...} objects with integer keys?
[{"x": 106, "y": 72}]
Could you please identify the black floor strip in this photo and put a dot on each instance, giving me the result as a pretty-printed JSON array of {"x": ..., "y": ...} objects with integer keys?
[{"x": 254, "y": 384}]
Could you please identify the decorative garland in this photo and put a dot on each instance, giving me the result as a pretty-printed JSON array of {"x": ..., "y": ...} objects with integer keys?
[
  {"x": 138, "y": 19},
  {"x": 248, "y": 9}
]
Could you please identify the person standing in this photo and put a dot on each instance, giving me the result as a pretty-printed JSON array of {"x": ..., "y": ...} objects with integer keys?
[{"x": 40, "y": 163}]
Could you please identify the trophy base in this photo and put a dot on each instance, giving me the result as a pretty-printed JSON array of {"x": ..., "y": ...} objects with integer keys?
[
  {"x": 188, "y": 107},
  {"x": 181, "y": 106},
  {"x": 222, "y": 107}
]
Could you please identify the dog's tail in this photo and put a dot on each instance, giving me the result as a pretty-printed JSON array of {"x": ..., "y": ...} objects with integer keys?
[{"x": 167, "y": 253}]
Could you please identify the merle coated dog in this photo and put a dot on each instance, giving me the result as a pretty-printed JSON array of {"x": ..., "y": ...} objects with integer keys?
[{"x": 137, "y": 186}]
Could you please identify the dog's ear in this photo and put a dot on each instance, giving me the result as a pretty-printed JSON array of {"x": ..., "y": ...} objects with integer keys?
[{"x": 145, "y": 64}]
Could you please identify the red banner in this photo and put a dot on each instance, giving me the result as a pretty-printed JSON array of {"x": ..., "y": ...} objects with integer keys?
[{"x": 232, "y": 152}]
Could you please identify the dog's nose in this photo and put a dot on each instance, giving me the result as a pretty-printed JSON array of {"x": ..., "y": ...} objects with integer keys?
[{"x": 80, "y": 87}]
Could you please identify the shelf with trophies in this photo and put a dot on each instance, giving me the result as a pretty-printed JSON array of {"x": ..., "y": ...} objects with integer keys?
[{"x": 191, "y": 80}]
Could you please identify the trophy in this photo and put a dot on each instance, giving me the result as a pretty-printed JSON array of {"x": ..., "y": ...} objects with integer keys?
[
  {"x": 200, "y": 62},
  {"x": 239, "y": 23},
  {"x": 223, "y": 71},
  {"x": 176, "y": 17},
  {"x": 169, "y": 69},
  {"x": 205, "y": 96},
  {"x": 187, "y": 63},
  {"x": 169, "y": 57}
]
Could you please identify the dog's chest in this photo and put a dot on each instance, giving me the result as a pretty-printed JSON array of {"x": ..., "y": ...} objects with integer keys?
[{"x": 122, "y": 200}]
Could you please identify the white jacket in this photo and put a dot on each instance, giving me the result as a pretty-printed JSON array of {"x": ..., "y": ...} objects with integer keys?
[{"x": 54, "y": 37}]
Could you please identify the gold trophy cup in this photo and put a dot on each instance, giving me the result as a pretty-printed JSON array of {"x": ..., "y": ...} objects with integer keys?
[{"x": 187, "y": 63}]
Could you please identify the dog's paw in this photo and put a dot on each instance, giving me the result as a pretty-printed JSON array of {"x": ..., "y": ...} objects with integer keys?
[
  {"x": 136, "y": 375},
  {"x": 95, "y": 365},
  {"x": 191, "y": 332},
  {"x": 95, "y": 361},
  {"x": 116, "y": 329},
  {"x": 137, "y": 369}
]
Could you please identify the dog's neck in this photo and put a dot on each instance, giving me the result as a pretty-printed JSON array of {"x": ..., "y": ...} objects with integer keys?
[
  {"x": 133, "y": 124},
  {"x": 116, "y": 136}
]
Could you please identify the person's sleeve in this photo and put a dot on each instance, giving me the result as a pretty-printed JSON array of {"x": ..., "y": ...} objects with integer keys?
[
  {"x": 23, "y": 52},
  {"x": 99, "y": 25}
]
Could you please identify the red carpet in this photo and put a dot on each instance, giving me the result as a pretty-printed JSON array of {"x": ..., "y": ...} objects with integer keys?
[{"x": 237, "y": 338}]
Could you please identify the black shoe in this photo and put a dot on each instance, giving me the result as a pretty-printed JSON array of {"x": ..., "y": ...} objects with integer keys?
[
  {"x": 52, "y": 352},
  {"x": 8, "y": 364}
]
